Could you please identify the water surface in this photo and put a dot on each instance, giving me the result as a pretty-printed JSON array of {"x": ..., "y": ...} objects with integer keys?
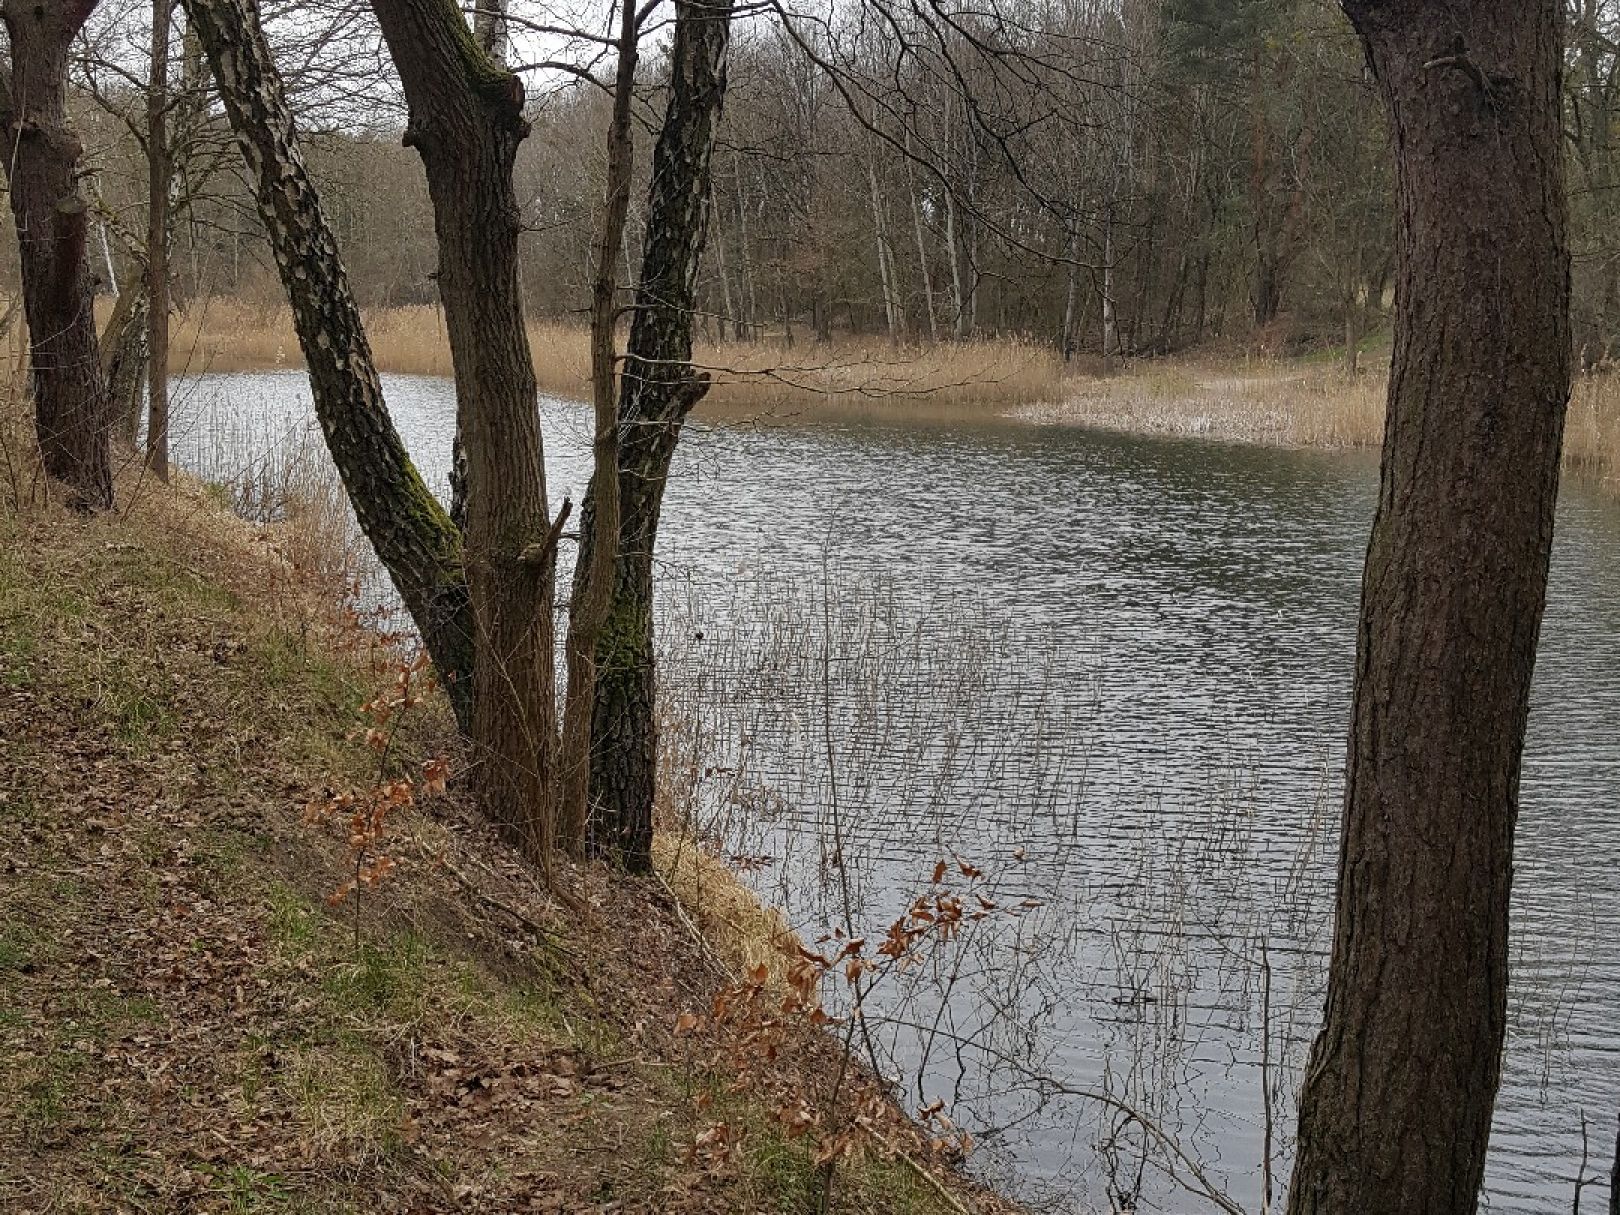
[{"x": 1113, "y": 673}]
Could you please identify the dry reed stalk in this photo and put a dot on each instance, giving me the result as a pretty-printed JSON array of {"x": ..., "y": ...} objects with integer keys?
[
  {"x": 1270, "y": 403},
  {"x": 1297, "y": 405},
  {"x": 1267, "y": 401},
  {"x": 233, "y": 335}
]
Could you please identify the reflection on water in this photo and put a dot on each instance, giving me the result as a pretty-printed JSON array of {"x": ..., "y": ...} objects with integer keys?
[{"x": 1113, "y": 672}]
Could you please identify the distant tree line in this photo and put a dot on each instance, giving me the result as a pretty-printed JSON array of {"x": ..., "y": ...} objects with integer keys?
[{"x": 1117, "y": 179}]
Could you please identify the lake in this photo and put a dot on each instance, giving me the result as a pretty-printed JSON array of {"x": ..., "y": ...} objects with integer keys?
[{"x": 1113, "y": 673}]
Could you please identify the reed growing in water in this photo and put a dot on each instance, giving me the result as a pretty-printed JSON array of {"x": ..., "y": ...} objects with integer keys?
[{"x": 1283, "y": 402}]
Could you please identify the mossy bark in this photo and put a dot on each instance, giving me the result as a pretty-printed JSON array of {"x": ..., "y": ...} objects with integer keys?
[
  {"x": 409, "y": 529},
  {"x": 466, "y": 122},
  {"x": 658, "y": 388}
]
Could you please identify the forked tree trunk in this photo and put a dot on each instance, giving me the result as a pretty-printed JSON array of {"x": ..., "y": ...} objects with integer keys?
[
  {"x": 72, "y": 410},
  {"x": 411, "y": 532},
  {"x": 658, "y": 389},
  {"x": 466, "y": 121},
  {"x": 593, "y": 571},
  {"x": 1397, "y": 1101}
]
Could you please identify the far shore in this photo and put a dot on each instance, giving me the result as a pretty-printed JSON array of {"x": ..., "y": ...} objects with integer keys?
[{"x": 1305, "y": 402}]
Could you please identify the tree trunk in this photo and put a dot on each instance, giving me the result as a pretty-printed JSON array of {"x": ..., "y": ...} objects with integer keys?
[
  {"x": 1396, "y": 1106},
  {"x": 922, "y": 246},
  {"x": 729, "y": 316},
  {"x": 1267, "y": 284},
  {"x": 157, "y": 244},
  {"x": 752, "y": 299},
  {"x": 466, "y": 121},
  {"x": 123, "y": 359},
  {"x": 658, "y": 389},
  {"x": 410, "y": 531},
  {"x": 489, "y": 28},
  {"x": 72, "y": 411},
  {"x": 1109, "y": 338},
  {"x": 1071, "y": 290},
  {"x": 960, "y": 324},
  {"x": 892, "y": 317},
  {"x": 593, "y": 570},
  {"x": 1352, "y": 337}
]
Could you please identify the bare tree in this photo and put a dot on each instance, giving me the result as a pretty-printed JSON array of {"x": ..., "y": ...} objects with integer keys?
[
  {"x": 160, "y": 172},
  {"x": 658, "y": 388},
  {"x": 466, "y": 121},
  {"x": 1396, "y": 1108},
  {"x": 72, "y": 408},
  {"x": 413, "y": 536}
]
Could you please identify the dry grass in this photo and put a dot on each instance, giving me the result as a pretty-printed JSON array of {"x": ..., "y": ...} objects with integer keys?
[
  {"x": 1592, "y": 431},
  {"x": 185, "y": 1024},
  {"x": 1290, "y": 403},
  {"x": 1299, "y": 404},
  {"x": 743, "y": 931},
  {"x": 230, "y": 335},
  {"x": 1275, "y": 403}
]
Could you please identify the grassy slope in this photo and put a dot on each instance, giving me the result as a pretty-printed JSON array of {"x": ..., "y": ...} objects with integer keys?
[{"x": 186, "y": 1025}]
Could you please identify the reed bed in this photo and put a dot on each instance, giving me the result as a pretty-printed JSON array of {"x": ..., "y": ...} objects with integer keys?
[
  {"x": 1274, "y": 403},
  {"x": 1294, "y": 404},
  {"x": 1290, "y": 403},
  {"x": 770, "y": 375}
]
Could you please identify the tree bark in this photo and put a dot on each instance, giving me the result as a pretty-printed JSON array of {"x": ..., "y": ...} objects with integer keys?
[
  {"x": 159, "y": 170},
  {"x": 593, "y": 571},
  {"x": 1397, "y": 1101},
  {"x": 489, "y": 28},
  {"x": 888, "y": 280},
  {"x": 466, "y": 122},
  {"x": 922, "y": 246},
  {"x": 123, "y": 359},
  {"x": 72, "y": 409},
  {"x": 658, "y": 388},
  {"x": 1110, "y": 338},
  {"x": 412, "y": 534}
]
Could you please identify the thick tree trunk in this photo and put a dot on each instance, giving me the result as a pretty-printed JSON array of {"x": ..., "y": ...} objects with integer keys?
[
  {"x": 410, "y": 531},
  {"x": 593, "y": 571},
  {"x": 490, "y": 30},
  {"x": 466, "y": 121},
  {"x": 1397, "y": 1101},
  {"x": 72, "y": 410},
  {"x": 658, "y": 389},
  {"x": 159, "y": 170}
]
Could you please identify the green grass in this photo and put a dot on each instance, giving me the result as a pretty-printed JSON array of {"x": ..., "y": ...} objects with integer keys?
[
  {"x": 247, "y": 1191},
  {"x": 20, "y": 945}
]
